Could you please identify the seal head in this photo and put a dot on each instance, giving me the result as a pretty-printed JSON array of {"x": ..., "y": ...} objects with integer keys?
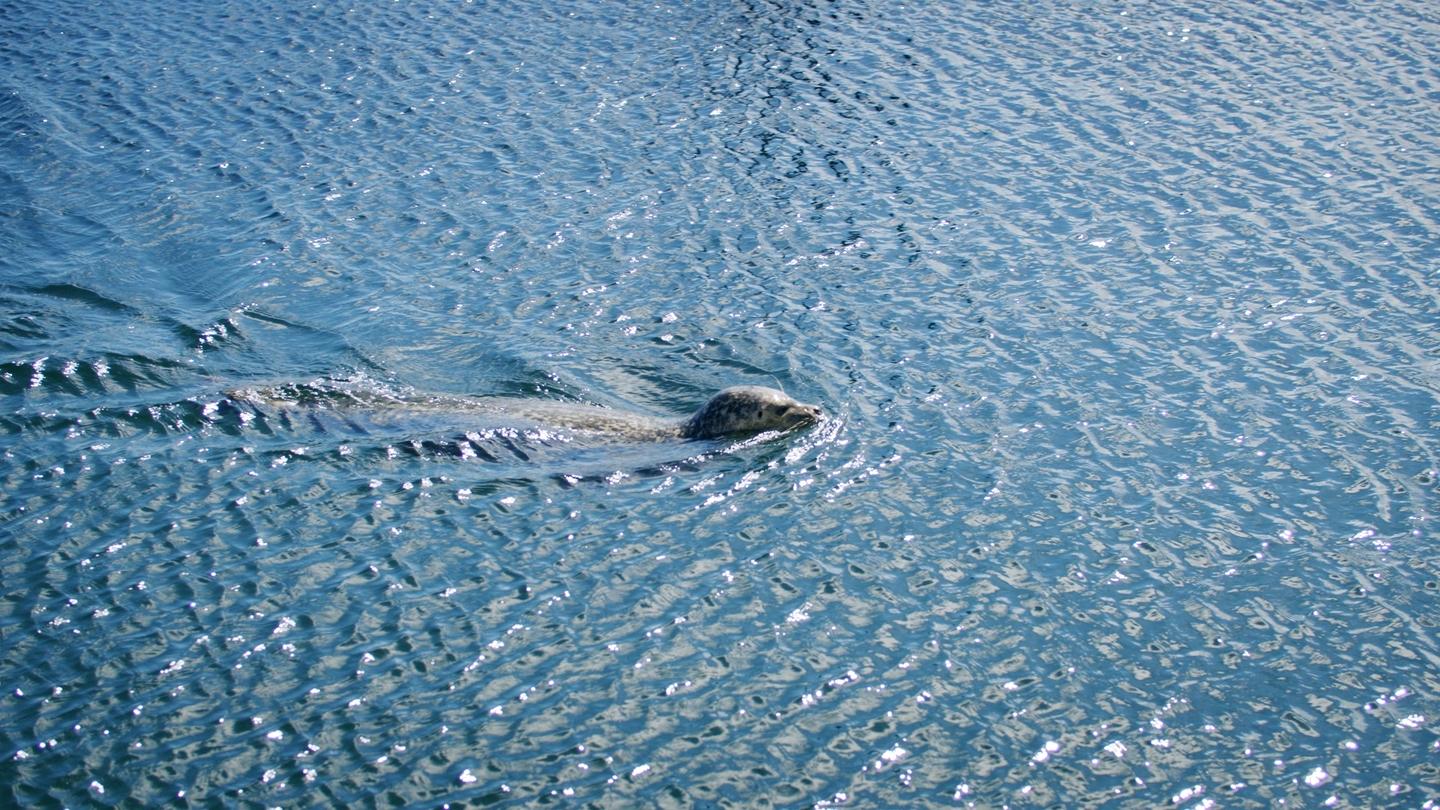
[{"x": 748, "y": 409}]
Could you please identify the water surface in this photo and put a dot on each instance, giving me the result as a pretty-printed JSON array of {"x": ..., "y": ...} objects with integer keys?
[{"x": 1127, "y": 319}]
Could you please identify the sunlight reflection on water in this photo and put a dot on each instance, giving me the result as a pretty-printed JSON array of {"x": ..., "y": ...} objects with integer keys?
[{"x": 1124, "y": 324}]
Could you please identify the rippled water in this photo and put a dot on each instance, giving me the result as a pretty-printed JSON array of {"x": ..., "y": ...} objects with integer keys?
[{"x": 1126, "y": 317}]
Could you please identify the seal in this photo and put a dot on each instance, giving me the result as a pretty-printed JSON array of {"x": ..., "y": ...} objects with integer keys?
[{"x": 738, "y": 410}]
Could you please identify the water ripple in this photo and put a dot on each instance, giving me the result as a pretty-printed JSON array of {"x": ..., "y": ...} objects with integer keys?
[{"x": 1124, "y": 319}]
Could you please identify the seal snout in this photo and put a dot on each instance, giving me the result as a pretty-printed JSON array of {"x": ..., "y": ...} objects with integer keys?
[{"x": 802, "y": 413}]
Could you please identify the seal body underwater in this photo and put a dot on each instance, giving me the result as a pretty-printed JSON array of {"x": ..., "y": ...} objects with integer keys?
[{"x": 741, "y": 409}]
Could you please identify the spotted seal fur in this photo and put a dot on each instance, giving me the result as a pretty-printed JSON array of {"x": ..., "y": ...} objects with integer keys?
[{"x": 737, "y": 410}]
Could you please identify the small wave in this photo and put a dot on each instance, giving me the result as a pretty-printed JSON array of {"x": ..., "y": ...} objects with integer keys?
[{"x": 46, "y": 375}]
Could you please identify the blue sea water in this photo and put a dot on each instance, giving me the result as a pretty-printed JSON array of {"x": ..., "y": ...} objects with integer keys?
[{"x": 1126, "y": 318}]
